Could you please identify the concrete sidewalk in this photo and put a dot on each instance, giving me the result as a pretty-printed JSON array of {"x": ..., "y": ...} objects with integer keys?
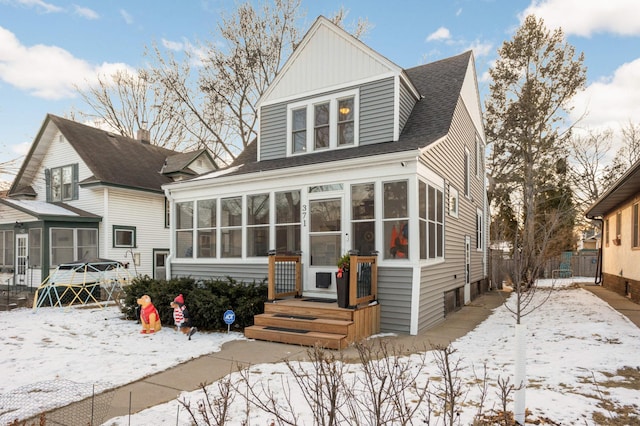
[
  {"x": 618, "y": 302},
  {"x": 167, "y": 385}
]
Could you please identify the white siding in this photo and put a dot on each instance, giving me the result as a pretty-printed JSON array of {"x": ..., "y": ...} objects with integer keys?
[
  {"x": 145, "y": 212},
  {"x": 329, "y": 59}
]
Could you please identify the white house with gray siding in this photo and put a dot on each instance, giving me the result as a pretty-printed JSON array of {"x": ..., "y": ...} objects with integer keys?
[
  {"x": 353, "y": 153},
  {"x": 82, "y": 193}
]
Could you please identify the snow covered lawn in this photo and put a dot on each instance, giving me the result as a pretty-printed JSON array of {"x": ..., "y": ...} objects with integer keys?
[{"x": 578, "y": 349}]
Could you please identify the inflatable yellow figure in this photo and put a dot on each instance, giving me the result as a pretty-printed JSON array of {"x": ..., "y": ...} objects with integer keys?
[{"x": 148, "y": 316}]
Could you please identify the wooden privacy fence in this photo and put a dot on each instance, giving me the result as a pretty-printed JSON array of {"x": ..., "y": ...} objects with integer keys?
[{"x": 568, "y": 264}]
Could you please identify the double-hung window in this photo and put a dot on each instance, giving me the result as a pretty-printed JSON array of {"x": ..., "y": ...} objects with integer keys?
[
  {"x": 323, "y": 123},
  {"x": 321, "y": 129},
  {"x": 231, "y": 227},
  {"x": 206, "y": 228},
  {"x": 431, "y": 221},
  {"x": 395, "y": 220},
  {"x": 635, "y": 226},
  {"x": 62, "y": 183},
  {"x": 184, "y": 229},
  {"x": 257, "y": 225},
  {"x": 299, "y": 130}
]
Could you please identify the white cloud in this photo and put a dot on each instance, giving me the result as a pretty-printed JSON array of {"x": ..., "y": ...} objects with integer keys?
[
  {"x": 481, "y": 49},
  {"x": 48, "y": 72},
  {"x": 87, "y": 13},
  {"x": 610, "y": 102},
  {"x": 440, "y": 34},
  {"x": 176, "y": 46},
  {"x": 41, "y": 6},
  {"x": 126, "y": 16},
  {"x": 586, "y": 18}
]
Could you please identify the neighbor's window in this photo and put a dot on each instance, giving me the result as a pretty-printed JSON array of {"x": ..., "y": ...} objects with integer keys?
[
  {"x": 606, "y": 231},
  {"x": 467, "y": 173},
  {"x": 363, "y": 224},
  {"x": 287, "y": 221},
  {"x": 35, "y": 246},
  {"x": 453, "y": 202},
  {"x": 479, "y": 230},
  {"x": 206, "y": 228},
  {"x": 124, "y": 236},
  {"x": 395, "y": 220},
  {"x": 636, "y": 226},
  {"x": 184, "y": 229},
  {"x": 231, "y": 227},
  {"x": 6, "y": 248},
  {"x": 69, "y": 244},
  {"x": 62, "y": 183},
  {"x": 258, "y": 225},
  {"x": 619, "y": 225}
]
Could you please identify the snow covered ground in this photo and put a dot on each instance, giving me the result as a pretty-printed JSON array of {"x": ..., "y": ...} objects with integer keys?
[{"x": 577, "y": 346}]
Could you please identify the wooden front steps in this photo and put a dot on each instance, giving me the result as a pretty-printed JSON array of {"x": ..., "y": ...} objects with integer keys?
[{"x": 307, "y": 323}]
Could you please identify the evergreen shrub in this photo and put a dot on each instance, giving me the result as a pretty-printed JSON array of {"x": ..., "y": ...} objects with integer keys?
[{"x": 207, "y": 301}]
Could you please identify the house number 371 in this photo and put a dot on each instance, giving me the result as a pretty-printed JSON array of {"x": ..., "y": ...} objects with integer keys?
[{"x": 304, "y": 215}]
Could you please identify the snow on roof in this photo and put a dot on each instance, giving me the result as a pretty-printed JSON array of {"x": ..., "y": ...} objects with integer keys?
[{"x": 40, "y": 207}]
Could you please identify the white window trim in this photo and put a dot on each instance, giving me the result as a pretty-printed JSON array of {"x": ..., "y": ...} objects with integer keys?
[
  {"x": 480, "y": 230},
  {"x": 453, "y": 196},
  {"x": 467, "y": 173},
  {"x": 333, "y": 121}
]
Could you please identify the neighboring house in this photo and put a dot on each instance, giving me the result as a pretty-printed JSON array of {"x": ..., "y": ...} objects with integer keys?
[
  {"x": 83, "y": 193},
  {"x": 618, "y": 210},
  {"x": 353, "y": 153}
]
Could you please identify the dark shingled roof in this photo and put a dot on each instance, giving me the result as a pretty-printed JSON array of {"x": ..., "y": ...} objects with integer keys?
[
  {"x": 439, "y": 83},
  {"x": 114, "y": 159},
  {"x": 178, "y": 162},
  {"x": 617, "y": 194}
]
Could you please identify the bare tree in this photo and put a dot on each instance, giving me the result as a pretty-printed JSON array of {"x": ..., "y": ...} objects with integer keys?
[
  {"x": 127, "y": 101},
  {"x": 588, "y": 158},
  {"x": 206, "y": 95},
  {"x": 626, "y": 156}
]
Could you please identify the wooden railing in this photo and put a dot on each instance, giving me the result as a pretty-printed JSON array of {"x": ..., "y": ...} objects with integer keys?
[
  {"x": 285, "y": 276},
  {"x": 363, "y": 285}
]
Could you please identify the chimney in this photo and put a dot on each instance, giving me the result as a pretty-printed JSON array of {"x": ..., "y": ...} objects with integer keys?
[{"x": 144, "y": 136}]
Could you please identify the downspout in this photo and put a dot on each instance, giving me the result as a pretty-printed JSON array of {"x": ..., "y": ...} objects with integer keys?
[
  {"x": 598, "y": 279},
  {"x": 167, "y": 194}
]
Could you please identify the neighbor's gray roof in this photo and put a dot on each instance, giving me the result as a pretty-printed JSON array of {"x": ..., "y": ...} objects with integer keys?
[
  {"x": 617, "y": 194},
  {"x": 439, "y": 83},
  {"x": 113, "y": 159}
]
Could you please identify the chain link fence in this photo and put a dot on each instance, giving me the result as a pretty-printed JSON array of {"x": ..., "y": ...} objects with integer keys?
[{"x": 56, "y": 402}]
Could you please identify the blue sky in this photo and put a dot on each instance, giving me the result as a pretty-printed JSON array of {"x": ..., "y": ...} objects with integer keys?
[{"x": 48, "y": 46}]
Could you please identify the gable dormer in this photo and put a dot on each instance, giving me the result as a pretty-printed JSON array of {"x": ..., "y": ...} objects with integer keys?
[{"x": 334, "y": 92}]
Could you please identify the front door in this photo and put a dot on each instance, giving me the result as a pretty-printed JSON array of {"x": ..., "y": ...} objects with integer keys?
[
  {"x": 325, "y": 245},
  {"x": 22, "y": 258}
]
